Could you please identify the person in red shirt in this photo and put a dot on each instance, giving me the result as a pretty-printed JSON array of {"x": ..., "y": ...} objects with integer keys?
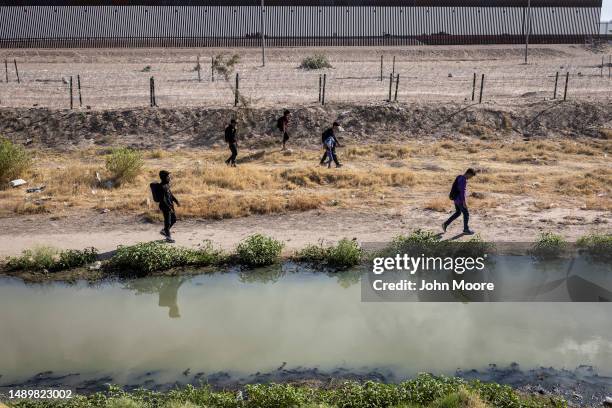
[{"x": 459, "y": 196}]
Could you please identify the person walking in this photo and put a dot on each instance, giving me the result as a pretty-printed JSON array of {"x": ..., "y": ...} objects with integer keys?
[
  {"x": 458, "y": 194},
  {"x": 232, "y": 142},
  {"x": 330, "y": 141},
  {"x": 283, "y": 126},
  {"x": 166, "y": 205}
]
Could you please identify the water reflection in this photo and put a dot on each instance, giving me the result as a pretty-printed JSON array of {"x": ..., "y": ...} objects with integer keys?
[{"x": 166, "y": 286}]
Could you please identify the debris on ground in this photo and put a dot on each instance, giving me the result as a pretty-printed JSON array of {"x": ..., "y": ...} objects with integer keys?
[{"x": 17, "y": 183}]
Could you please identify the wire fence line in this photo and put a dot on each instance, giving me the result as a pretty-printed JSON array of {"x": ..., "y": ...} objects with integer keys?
[{"x": 182, "y": 88}]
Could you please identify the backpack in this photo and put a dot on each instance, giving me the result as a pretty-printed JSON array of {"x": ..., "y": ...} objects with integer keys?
[
  {"x": 280, "y": 123},
  {"x": 454, "y": 193},
  {"x": 157, "y": 191}
]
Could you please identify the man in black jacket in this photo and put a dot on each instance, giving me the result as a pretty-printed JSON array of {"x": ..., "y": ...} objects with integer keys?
[
  {"x": 230, "y": 138},
  {"x": 330, "y": 133},
  {"x": 166, "y": 205}
]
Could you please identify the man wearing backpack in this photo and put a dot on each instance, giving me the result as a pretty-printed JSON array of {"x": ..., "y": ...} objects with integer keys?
[
  {"x": 165, "y": 198},
  {"x": 230, "y": 138},
  {"x": 329, "y": 140},
  {"x": 458, "y": 194},
  {"x": 283, "y": 125}
]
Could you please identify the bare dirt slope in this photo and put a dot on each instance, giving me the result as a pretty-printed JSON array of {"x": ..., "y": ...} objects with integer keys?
[{"x": 202, "y": 127}]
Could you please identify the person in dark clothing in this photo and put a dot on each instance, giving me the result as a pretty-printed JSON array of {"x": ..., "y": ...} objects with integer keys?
[
  {"x": 459, "y": 196},
  {"x": 230, "y": 138},
  {"x": 330, "y": 149},
  {"x": 166, "y": 205},
  {"x": 283, "y": 126}
]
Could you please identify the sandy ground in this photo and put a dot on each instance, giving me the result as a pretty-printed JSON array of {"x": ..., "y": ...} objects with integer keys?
[
  {"x": 117, "y": 78},
  {"x": 510, "y": 223}
]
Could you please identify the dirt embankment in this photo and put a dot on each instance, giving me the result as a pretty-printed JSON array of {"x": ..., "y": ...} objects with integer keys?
[{"x": 194, "y": 127}]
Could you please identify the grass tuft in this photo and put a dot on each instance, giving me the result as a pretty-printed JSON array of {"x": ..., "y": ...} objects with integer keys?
[
  {"x": 548, "y": 246},
  {"x": 14, "y": 161},
  {"x": 343, "y": 255},
  {"x": 317, "y": 61},
  {"x": 258, "y": 250},
  {"x": 597, "y": 245},
  {"x": 45, "y": 258},
  {"x": 124, "y": 165}
]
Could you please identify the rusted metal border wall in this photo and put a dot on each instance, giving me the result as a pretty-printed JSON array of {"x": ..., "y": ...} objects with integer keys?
[{"x": 149, "y": 23}]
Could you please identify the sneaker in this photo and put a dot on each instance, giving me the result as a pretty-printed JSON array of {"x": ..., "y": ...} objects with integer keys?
[
  {"x": 163, "y": 232},
  {"x": 338, "y": 166},
  {"x": 468, "y": 232},
  {"x": 170, "y": 240},
  {"x": 444, "y": 227}
]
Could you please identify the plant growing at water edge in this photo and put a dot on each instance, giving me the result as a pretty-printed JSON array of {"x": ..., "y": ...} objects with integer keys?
[
  {"x": 258, "y": 250},
  {"x": 344, "y": 254},
  {"x": 14, "y": 161},
  {"x": 599, "y": 246},
  {"x": 317, "y": 61},
  {"x": 147, "y": 257},
  {"x": 51, "y": 259},
  {"x": 548, "y": 246},
  {"x": 124, "y": 164}
]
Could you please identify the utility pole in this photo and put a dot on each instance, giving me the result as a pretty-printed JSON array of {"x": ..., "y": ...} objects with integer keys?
[
  {"x": 527, "y": 29},
  {"x": 263, "y": 35}
]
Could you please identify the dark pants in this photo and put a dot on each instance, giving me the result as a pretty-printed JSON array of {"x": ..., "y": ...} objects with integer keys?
[
  {"x": 234, "y": 149},
  {"x": 460, "y": 209},
  {"x": 169, "y": 218},
  {"x": 333, "y": 154},
  {"x": 285, "y": 137}
]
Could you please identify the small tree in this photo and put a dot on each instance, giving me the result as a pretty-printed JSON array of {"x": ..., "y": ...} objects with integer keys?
[
  {"x": 14, "y": 161},
  {"x": 124, "y": 164}
]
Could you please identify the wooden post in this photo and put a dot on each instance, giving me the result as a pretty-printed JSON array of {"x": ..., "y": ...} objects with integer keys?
[
  {"x": 393, "y": 70},
  {"x": 602, "y": 64},
  {"x": 474, "y": 87},
  {"x": 609, "y": 66},
  {"x": 151, "y": 91},
  {"x": 320, "y": 85},
  {"x": 71, "y": 103},
  {"x": 481, "y": 89},
  {"x": 381, "y": 68},
  {"x": 324, "y": 85},
  {"x": 556, "y": 81},
  {"x": 6, "y": 70},
  {"x": 396, "y": 86},
  {"x": 236, "y": 95},
  {"x": 79, "y": 86},
  {"x": 212, "y": 68},
  {"x": 566, "y": 81},
  {"x": 390, "y": 86},
  {"x": 199, "y": 69},
  {"x": 153, "y": 100},
  {"x": 16, "y": 71}
]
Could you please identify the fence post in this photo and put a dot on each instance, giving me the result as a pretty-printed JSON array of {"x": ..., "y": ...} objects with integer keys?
[
  {"x": 602, "y": 64},
  {"x": 71, "y": 103},
  {"x": 474, "y": 87},
  {"x": 396, "y": 86},
  {"x": 609, "y": 66},
  {"x": 198, "y": 67},
  {"x": 324, "y": 86},
  {"x": 320, "y": 85},
  {"x": 381, "y": 68},
  {"x": 151, "y": 91},
  {"x": 237, "y": 91},
  {"x": 16, "y": 71},
  {"x": 6, "y": 70},
  {"x": 79, "y": 86},
  {"x": 153, "y": 100},
  {"x": 390, "y": 85},
  {"x": 393, "y": 70},
  {"x": 481, "y": 89},
  {"x": 566, "y": 81},
  {"x": 212, "y": 68},
  {"x": 556, "y": 81}
]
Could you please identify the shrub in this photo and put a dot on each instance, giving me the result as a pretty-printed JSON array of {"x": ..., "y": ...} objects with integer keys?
[
  {"x": 258, "y": 250},
  {"x": 548, "y": 246},
  {"x": 276, "y": 395},
  {"x": 344, "y": 254},
  {"x": 317, "y": 61},
  {"x": 598, "y": 246},
  {"x": 14, "y": 161},
  {"x": 147, "y": 257},
  {"x": 124, "y": 164},
  {"x": 51, "y": 259},
  {"x": 224, "y": 65}
]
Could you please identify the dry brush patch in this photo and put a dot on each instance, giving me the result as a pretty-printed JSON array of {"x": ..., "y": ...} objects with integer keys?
[{"x": 379, "y": 176}]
